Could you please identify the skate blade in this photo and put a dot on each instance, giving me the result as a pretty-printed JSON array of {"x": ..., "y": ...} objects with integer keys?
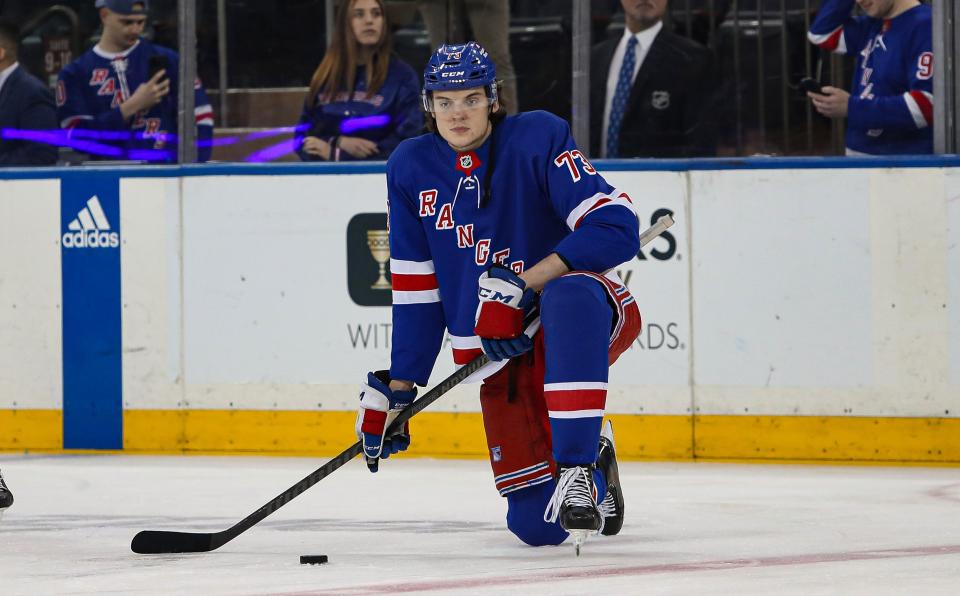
[{"x": 579, "y": 537}]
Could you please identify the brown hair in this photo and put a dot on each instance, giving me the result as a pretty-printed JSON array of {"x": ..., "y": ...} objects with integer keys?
[
  {"x": 338, "y": 69},
  {"x": 495, "y": 117}
]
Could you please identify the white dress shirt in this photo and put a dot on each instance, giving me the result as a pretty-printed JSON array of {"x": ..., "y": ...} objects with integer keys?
[
  {"x": 644, "y": 41},
  {"x": 5, "y": 73}
]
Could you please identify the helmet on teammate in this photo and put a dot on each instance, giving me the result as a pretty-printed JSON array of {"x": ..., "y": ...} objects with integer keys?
[{"x": 456, "y": 67}]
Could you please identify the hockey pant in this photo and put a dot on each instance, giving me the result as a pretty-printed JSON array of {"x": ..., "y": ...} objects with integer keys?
[{"x": 546, "y": 406}]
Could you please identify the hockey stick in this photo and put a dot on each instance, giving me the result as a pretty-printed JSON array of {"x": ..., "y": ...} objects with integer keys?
[
  {"x": 149, "y": 542},
  {"x": 664, "y": 222}
]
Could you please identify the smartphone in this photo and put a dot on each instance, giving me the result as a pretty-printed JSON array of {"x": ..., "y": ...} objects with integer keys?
[
  {"x": 158, "y": 63},
  {"x": 809, "y": 84}
]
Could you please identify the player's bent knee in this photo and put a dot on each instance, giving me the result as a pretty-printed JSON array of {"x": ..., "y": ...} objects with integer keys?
[
  {"x": 525, "y": 516},
  {"x": 575, "y": 294}
]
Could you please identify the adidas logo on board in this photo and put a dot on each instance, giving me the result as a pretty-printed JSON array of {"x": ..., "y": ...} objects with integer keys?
[{"x": 91, "y": 229}]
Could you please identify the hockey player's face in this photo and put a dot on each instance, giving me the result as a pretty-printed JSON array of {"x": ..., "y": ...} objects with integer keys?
[
  {"x": 463, "y": 117},
  {"x": 877, "y": 9},
  {"x": 366, "y": 20}
]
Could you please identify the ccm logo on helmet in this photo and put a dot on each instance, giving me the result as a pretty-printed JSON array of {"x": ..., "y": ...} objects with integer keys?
[{"x": 458, "y": 73}]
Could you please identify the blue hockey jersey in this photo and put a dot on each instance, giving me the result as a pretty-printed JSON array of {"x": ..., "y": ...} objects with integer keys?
[
  {"x": 891, "y": 102},
  {"x": 390, "y": 116},
  {"x": 444, "y": 232},
  {"x": 89, "y": 93}
]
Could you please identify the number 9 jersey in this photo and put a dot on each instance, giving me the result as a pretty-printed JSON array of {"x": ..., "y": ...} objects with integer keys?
[
  {"x": 890, "y": 111},
  {"x": 526, "y": 192}
]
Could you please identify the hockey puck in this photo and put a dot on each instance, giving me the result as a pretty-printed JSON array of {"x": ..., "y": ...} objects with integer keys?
[{"x": 313, "y": 559}]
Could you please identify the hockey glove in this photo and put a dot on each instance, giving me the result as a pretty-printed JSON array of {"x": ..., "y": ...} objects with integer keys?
[
  {"x": 504, "y": 301},
  {"x": 379, "y": 406}
]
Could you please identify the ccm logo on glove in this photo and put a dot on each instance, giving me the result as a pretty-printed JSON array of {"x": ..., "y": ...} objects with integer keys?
[{"x": 504, "y": 301}]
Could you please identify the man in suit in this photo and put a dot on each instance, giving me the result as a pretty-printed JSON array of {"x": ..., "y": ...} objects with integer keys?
[
  {"x": 26, "y": 108},
  {"x": 652, "y": 91}
]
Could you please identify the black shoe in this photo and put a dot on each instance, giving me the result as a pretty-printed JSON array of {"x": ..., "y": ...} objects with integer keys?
[
  {"x": 612, "y": 506},
  {"x": 6, "y": 497},
  {"x": 574, "y": 501}
]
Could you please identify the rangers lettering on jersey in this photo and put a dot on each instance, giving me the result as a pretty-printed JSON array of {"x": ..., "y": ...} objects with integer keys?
[
  {"x": 91, "y": 89},
  {"x": 431, "y": 222}
]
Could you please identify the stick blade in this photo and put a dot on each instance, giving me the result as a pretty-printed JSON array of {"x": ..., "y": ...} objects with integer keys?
[{"x": 153, "y": 542}]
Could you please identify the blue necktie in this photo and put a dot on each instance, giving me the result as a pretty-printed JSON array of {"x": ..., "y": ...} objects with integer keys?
[{"x": 620, "y": 97}]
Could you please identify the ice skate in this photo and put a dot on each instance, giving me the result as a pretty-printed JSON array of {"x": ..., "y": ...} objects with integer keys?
[
  {"x": 574, "y": 503},
  {"x": 612, "y": 506},
  {"x": 6, "y": 497}
]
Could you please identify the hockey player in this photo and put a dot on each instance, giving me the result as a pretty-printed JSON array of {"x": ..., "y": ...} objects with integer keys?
[
  {"x": 891, "y": 108},
  {"x": 120, "y": 96},
  {"x": 492, "y": 220},
  {"x": 6, "y": 497}
]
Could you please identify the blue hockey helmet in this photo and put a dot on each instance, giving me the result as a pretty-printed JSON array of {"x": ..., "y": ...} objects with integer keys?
[
  {"x": 453, "y": 67},
  {"x": 461, "y": 66}
]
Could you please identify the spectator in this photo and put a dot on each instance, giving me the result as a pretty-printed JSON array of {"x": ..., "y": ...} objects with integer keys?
[
  {"x": 118, "y": 97},
  {"x": 360, "y": 88},
  {"x": 891, "y": 109},
  {"x": 453, "y": 21},
  {"x": 26, "y": 109},
  {"x": 652, "y": 91}
]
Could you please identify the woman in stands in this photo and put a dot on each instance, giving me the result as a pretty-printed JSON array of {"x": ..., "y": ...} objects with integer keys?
[{"x": 363, "y": 100}]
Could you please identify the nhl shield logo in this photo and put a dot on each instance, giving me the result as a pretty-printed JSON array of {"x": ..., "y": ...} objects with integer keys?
[
  {"x": 466, "y": 161},
  {"x": 660, "y": 100}
]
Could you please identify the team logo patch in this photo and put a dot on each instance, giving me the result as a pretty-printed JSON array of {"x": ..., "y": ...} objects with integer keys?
[
  {"x": 495, "y": 453},
  {"x": 660, "y": 100}
]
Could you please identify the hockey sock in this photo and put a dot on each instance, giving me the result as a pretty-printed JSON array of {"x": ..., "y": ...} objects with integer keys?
[{"x": 576, "y": 321}]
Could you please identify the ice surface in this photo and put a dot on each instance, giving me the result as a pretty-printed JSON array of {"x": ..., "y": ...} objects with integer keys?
[{"x": 425, "y": 526}]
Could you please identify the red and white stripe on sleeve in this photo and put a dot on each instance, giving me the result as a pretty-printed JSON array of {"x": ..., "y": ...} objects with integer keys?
[
  {"x": 833, "y": 41},
  {"x": 920, "y": 104},
  {"x": 598, "y": 201},
  {"x": 465, "y": 348},
  {"x": 414, "y": 282},
  {"x": 204, "y": 115}
]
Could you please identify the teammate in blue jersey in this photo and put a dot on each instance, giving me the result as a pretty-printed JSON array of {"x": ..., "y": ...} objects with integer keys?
[
  {"x": 494, "y": 220},
  {"x": 363, "y": 100},
  {"x": 108, "y": 98},
  {"x": 891, "y": 108}
]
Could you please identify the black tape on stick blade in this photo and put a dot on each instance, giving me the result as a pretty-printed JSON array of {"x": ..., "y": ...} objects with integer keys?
[{"x": 313, "y": 559}]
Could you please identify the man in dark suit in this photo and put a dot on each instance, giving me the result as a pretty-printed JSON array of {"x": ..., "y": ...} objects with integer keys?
[
  {"x": 26, "y": 108},
  {"x": 652, "y": 91}
]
